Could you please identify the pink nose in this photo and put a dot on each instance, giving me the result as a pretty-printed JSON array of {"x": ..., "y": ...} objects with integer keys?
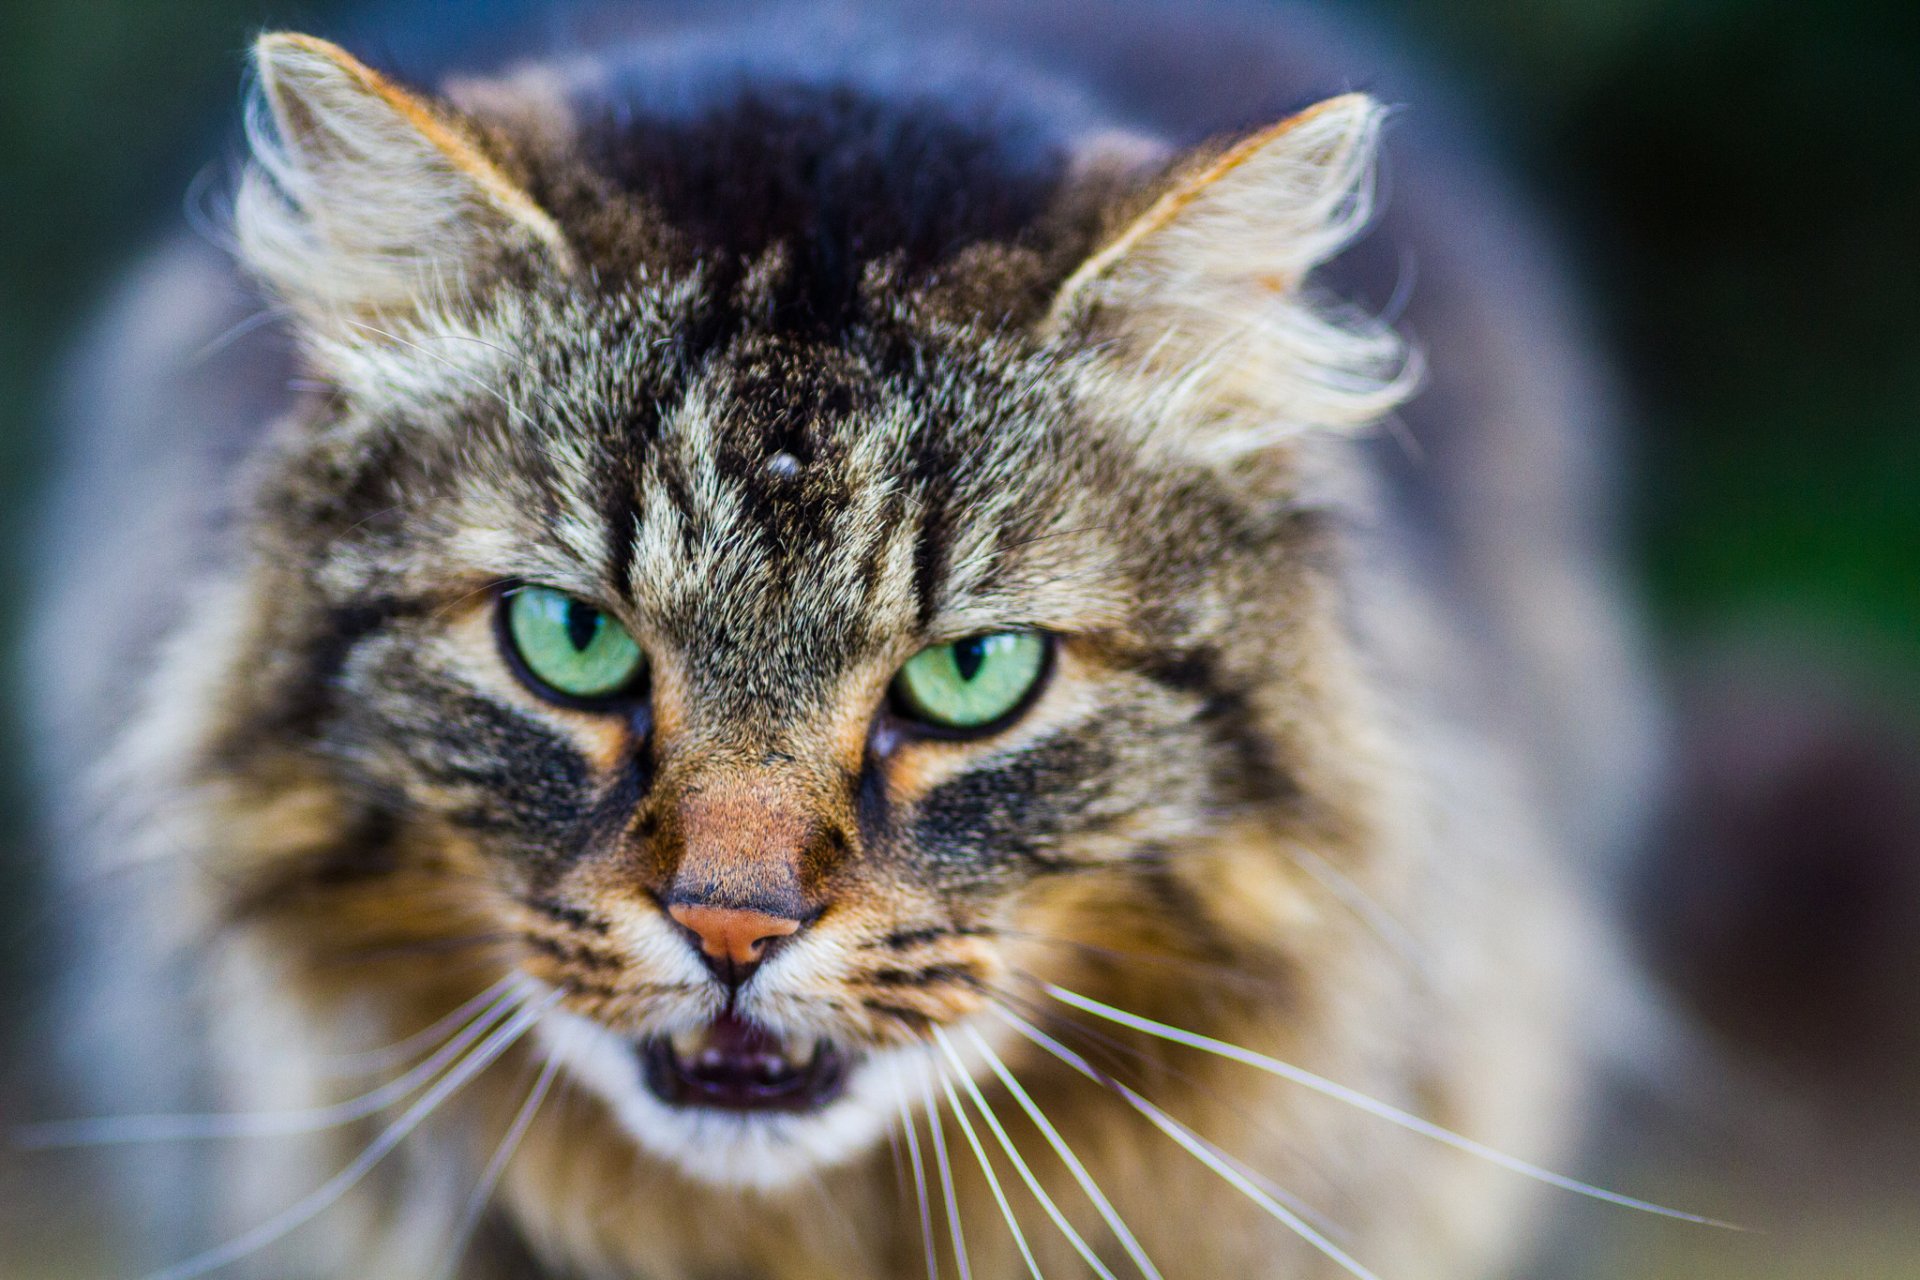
[{"x": 732, "y": 935}]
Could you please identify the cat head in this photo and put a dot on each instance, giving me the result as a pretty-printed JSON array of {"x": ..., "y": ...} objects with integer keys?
[{"x": 777, "y": 585}]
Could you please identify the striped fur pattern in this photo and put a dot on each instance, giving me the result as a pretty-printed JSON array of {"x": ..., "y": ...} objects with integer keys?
[{"x": 737, "y": 379}]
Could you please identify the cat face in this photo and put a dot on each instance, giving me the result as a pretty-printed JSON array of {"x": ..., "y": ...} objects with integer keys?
[
  {"x": 765, "y": 697},
  {"x": 760, "y": 810}
]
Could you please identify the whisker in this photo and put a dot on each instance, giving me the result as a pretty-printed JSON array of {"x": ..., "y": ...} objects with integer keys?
[
  {"x": 1114, "y": 1051},
  {"x": 513, "y": 410},
  {"x": 935, "y": 1129},
  {"x": 1013, "y": 1155},
  {"x": 1200, "y": 1149},
  {"x": 832, "y": 1209},
  {"x": 443, "y": 611},
  {"x": 318, "y": 1201},
  {"x": 1120, "y": 1057},
  {"x": 512, "y": 355},
  {"x": 1126, "y": 955},
  {"x": 368, "y": 1061},
  {"x": 1073, "y": 532},
  {"x": 993, "y": 1180},
  {"x": 1146, "y": 1066},
  {"x": 102, "y": 1131},
  {"x": 1060, "y": 1148},
  {"x": 233, "y": 333},
  {"x": 920, "y": 1188},
  {"x": 1372, "y": 1106},
  {"x": 1109, "y": 1048},
  {"x": 899, "y": 1162},
  {"x": 495, "y": 347},
  {"x": 1383, "y": 923},
  {"x": 497, "y": 1166}
]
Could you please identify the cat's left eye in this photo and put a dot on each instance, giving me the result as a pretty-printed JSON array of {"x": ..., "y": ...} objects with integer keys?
[
  {"x": 568, "y": 647},
  {"x": 971, "y": 685}
]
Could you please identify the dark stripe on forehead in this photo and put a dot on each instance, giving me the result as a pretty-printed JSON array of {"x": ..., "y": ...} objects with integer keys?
[
  {"x": 550, "y": 484},
  {"x": 620, "y": 515},
  {"x": 932, "y": 553},
  {"x": 936, "y": 479},
  {"x": 668, "y": 470},
  {"x": 713, "y": 321},
  {"x": 878, "y": 551}
]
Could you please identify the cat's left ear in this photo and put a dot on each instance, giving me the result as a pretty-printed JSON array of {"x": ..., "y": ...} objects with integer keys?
[
  {"x": 1204, "y": 299},
  {"x": 366, "y": 202}
]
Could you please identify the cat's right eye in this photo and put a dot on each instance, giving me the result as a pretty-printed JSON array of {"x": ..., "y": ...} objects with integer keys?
[{"x": 567, "y": 649}]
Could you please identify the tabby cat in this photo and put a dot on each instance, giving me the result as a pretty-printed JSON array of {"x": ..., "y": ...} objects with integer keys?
[{"x": 811, "y": 646}]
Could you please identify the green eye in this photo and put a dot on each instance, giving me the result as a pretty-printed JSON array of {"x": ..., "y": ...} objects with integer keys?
[
  {"x": 971, "y": 682},
  {"x": 569, "y": 646}
]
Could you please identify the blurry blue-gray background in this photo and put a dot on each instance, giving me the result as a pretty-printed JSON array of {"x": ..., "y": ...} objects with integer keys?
[{"x": 1737, "y": 184}]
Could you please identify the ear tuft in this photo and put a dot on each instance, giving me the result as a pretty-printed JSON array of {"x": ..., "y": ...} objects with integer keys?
[
  {"x": 1205, "y": 293},
  {"x": 366, "y": 200}
]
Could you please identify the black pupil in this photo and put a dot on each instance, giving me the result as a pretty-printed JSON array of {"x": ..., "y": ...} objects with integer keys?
[
  {"x": 583, "y": 624},
  {"x": 968, "y": 655}
]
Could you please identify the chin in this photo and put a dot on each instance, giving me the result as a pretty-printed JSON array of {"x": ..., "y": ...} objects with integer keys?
[{"x": 735, "y": 1104}]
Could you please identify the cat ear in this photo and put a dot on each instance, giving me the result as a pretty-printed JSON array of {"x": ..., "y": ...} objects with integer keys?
[
  {"x": 365, "y": 201},
  {"x": 1204, "y": 297}
]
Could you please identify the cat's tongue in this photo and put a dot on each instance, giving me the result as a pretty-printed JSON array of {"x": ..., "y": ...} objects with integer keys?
[{"x": 739, "y": 1065}]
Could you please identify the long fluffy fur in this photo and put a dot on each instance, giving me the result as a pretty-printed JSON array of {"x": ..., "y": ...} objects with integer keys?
[{"x": 1108, "y": 400}]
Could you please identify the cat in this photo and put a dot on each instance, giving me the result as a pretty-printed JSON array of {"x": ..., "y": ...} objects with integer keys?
[{"x": 786, "y": 605}]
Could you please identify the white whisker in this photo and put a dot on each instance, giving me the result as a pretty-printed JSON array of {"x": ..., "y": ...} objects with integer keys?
[
  {"x": 102, "y": 1131},
  {"x": 1200, "y": 1149},
  {"x": 1372, "y": 1106},
  {"x": 935, "y": 1129},
  {"x": 993, "y": 1181},
  {"x": 1019, "y": 1164},
  {"x": 369, "y": 1061},
  {"x": 234, "y": 332},
  {"x": 495, "y": 347},
  {"x": 920, "y": 1188},
  {"x": 1059, "y": 1144},
  {"x": 899, "y": 1155},
  {"x": 327, "y": 1194},
  {"x": 496, "y": 1167},
  {"x": 513, "y": 410},
  {"x": 1384, "y": 924}
]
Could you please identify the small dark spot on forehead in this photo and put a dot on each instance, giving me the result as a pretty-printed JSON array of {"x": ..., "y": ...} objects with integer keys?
[{"x": 789, "y": 397}]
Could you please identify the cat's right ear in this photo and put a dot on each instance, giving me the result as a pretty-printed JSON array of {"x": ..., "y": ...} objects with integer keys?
[{"x": 366, "y": 203}]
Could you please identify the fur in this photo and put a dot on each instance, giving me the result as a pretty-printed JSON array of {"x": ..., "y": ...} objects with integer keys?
[{"x": 794, "y": 372}]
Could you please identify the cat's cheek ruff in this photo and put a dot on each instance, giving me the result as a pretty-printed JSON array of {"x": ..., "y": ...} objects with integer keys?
[{"x": 764, "y": 1151}]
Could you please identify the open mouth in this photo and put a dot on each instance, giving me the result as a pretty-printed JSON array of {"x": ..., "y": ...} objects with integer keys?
[{"x": 733, "y": 1065}]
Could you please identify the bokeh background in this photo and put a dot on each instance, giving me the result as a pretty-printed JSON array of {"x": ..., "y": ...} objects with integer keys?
[{"x": 1737, "y": 183}]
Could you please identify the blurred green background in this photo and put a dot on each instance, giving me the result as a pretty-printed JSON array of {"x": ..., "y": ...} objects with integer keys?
[{"x": 1736, "y": 182}]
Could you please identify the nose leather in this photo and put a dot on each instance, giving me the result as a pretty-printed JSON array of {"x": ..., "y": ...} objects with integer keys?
[{"x": 733, "y": 935}]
